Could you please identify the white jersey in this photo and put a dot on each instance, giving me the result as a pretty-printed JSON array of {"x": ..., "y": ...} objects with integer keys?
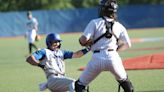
[
  {"x": 31, "y": 29},
  {"x": 104, "y": 57},
  {"x": 96, "y": 28},
  {"x": 32, "y": 23}
]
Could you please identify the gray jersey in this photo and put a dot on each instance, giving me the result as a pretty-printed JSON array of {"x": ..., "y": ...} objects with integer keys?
[
  {"x": 55, "y": 69},
  {"x": 53, "y": 62}
]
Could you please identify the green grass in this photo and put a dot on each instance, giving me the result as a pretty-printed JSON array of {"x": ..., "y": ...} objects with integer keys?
[{"x": 18, "y": 76}]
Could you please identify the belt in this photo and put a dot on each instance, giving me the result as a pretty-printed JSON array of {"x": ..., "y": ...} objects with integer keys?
[
  {"x": 52, "y": 74},
  {"x": 98, "y": 51}
]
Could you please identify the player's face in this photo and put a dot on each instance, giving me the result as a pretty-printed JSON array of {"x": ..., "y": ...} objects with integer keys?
[
  {"x": 29, "y": 16},
  {"x": 55, "y": 45}
]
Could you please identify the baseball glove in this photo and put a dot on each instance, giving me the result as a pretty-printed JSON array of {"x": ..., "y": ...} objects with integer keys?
[{"x": 37, "y": 38}]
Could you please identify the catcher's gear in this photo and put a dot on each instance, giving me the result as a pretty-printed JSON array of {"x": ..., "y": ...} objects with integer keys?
[
  {"x": 126, "y": 85},
  {"x": 107, "y": 7},
  {"x": 52, "y": 37},
  {"x": 80, "y": 88},
  {"x": 109, "y": 31}
]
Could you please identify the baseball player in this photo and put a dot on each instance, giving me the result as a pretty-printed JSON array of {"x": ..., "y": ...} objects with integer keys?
[
  {"x": 105, "y": 36},
  {"x": 32, "y": 28},
  {"x": 51, "y": 60}
]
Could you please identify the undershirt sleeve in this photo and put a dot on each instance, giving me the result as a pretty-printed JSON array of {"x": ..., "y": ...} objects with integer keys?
[{"x": 39, "y": 54}]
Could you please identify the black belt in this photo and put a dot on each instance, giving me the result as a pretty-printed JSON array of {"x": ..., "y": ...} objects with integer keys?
[
  {"x": 52, "y": 74},
  {"x": 98, "y": 51}
]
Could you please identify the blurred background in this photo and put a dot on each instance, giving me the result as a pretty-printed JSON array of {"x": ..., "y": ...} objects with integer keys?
[{"x": 62, "y": 16}]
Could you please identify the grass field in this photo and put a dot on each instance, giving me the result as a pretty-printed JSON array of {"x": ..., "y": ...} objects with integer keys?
[{"x": 18, "y": 76}]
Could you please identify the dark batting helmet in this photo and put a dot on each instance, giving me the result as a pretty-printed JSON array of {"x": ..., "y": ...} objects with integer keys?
[
  {"x": 52, "y": 37},
  {"x": 29, "y": 13},
  {"x": 108, "y": 7}
]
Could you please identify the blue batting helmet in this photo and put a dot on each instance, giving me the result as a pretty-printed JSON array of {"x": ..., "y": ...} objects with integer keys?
[{"x": 52, "y": 37}]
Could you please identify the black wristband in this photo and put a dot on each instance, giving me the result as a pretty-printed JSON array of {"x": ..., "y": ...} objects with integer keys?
[{"x": 86, "y": 50}]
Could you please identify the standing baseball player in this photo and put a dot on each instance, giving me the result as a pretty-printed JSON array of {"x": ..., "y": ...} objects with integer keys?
[
  {"x": 51, "y": 60},
  {"x": 32, "y": 28},
  {"x": 105, "y": 36}
]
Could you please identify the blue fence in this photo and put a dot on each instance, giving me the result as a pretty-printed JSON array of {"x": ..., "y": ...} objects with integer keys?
[
  {"x": 139, "y": 16},
  {"x": 142, "y": 16}
]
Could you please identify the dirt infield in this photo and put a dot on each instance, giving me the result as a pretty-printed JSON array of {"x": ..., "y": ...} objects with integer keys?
[{"x": 154, "y": 61}]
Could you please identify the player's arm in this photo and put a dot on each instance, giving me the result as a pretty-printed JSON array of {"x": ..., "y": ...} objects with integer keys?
[
  {"x": 124, "y": 41},
  {"x": 31, "y": 60},
  {"x": 35, "y": 24},
  {"x": 35, "y": 58},
  {"x": 80, "y": 53},
  {"x": 84, "y": 41},
  {"x": 36, "y": 27},
  {"x": 77, "y": 54},
  {"x": 122, "y": 46}
]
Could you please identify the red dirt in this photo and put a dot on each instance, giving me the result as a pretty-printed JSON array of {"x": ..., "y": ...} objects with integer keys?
[
  {"x": 141, "y": 49},
  {"x": 154, "y": 61}
]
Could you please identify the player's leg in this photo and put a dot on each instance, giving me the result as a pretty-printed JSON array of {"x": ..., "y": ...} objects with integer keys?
[
  {"x": 117, "y": 69},
  {"x": 33, "y": 45},
  {"x": 30, "y": 48},
  {"x": 43, "y": 86},
  {"x": 126, "y": 85},
  {"x": 60, "y": 84},
  {"x": 89, "y": 74},
  {"x": 32, "y": 38}
]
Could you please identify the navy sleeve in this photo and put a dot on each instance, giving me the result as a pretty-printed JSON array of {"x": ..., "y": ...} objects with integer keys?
[
  {"x": 40, "y": 54},
  {"x": 67, "y": 54}
]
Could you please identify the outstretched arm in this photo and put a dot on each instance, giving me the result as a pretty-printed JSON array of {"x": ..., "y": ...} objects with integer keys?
[
  {"x": 124, "y": 42},
  {"x": 80, "y": 53},
  {"x": 123, "y": 47}
]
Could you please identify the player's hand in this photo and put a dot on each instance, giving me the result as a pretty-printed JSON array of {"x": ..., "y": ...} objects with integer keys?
[{"x": 88, "y": 43}]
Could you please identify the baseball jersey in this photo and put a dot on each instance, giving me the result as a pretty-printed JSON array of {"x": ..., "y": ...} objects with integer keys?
[
  {"x": 96, "y": 28},
  {"x": 31, "y": 31},
  {"x": 53, "y": 60},
  {"x": 32, "y": 23},
  {"x": 104, "y": 60}
]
